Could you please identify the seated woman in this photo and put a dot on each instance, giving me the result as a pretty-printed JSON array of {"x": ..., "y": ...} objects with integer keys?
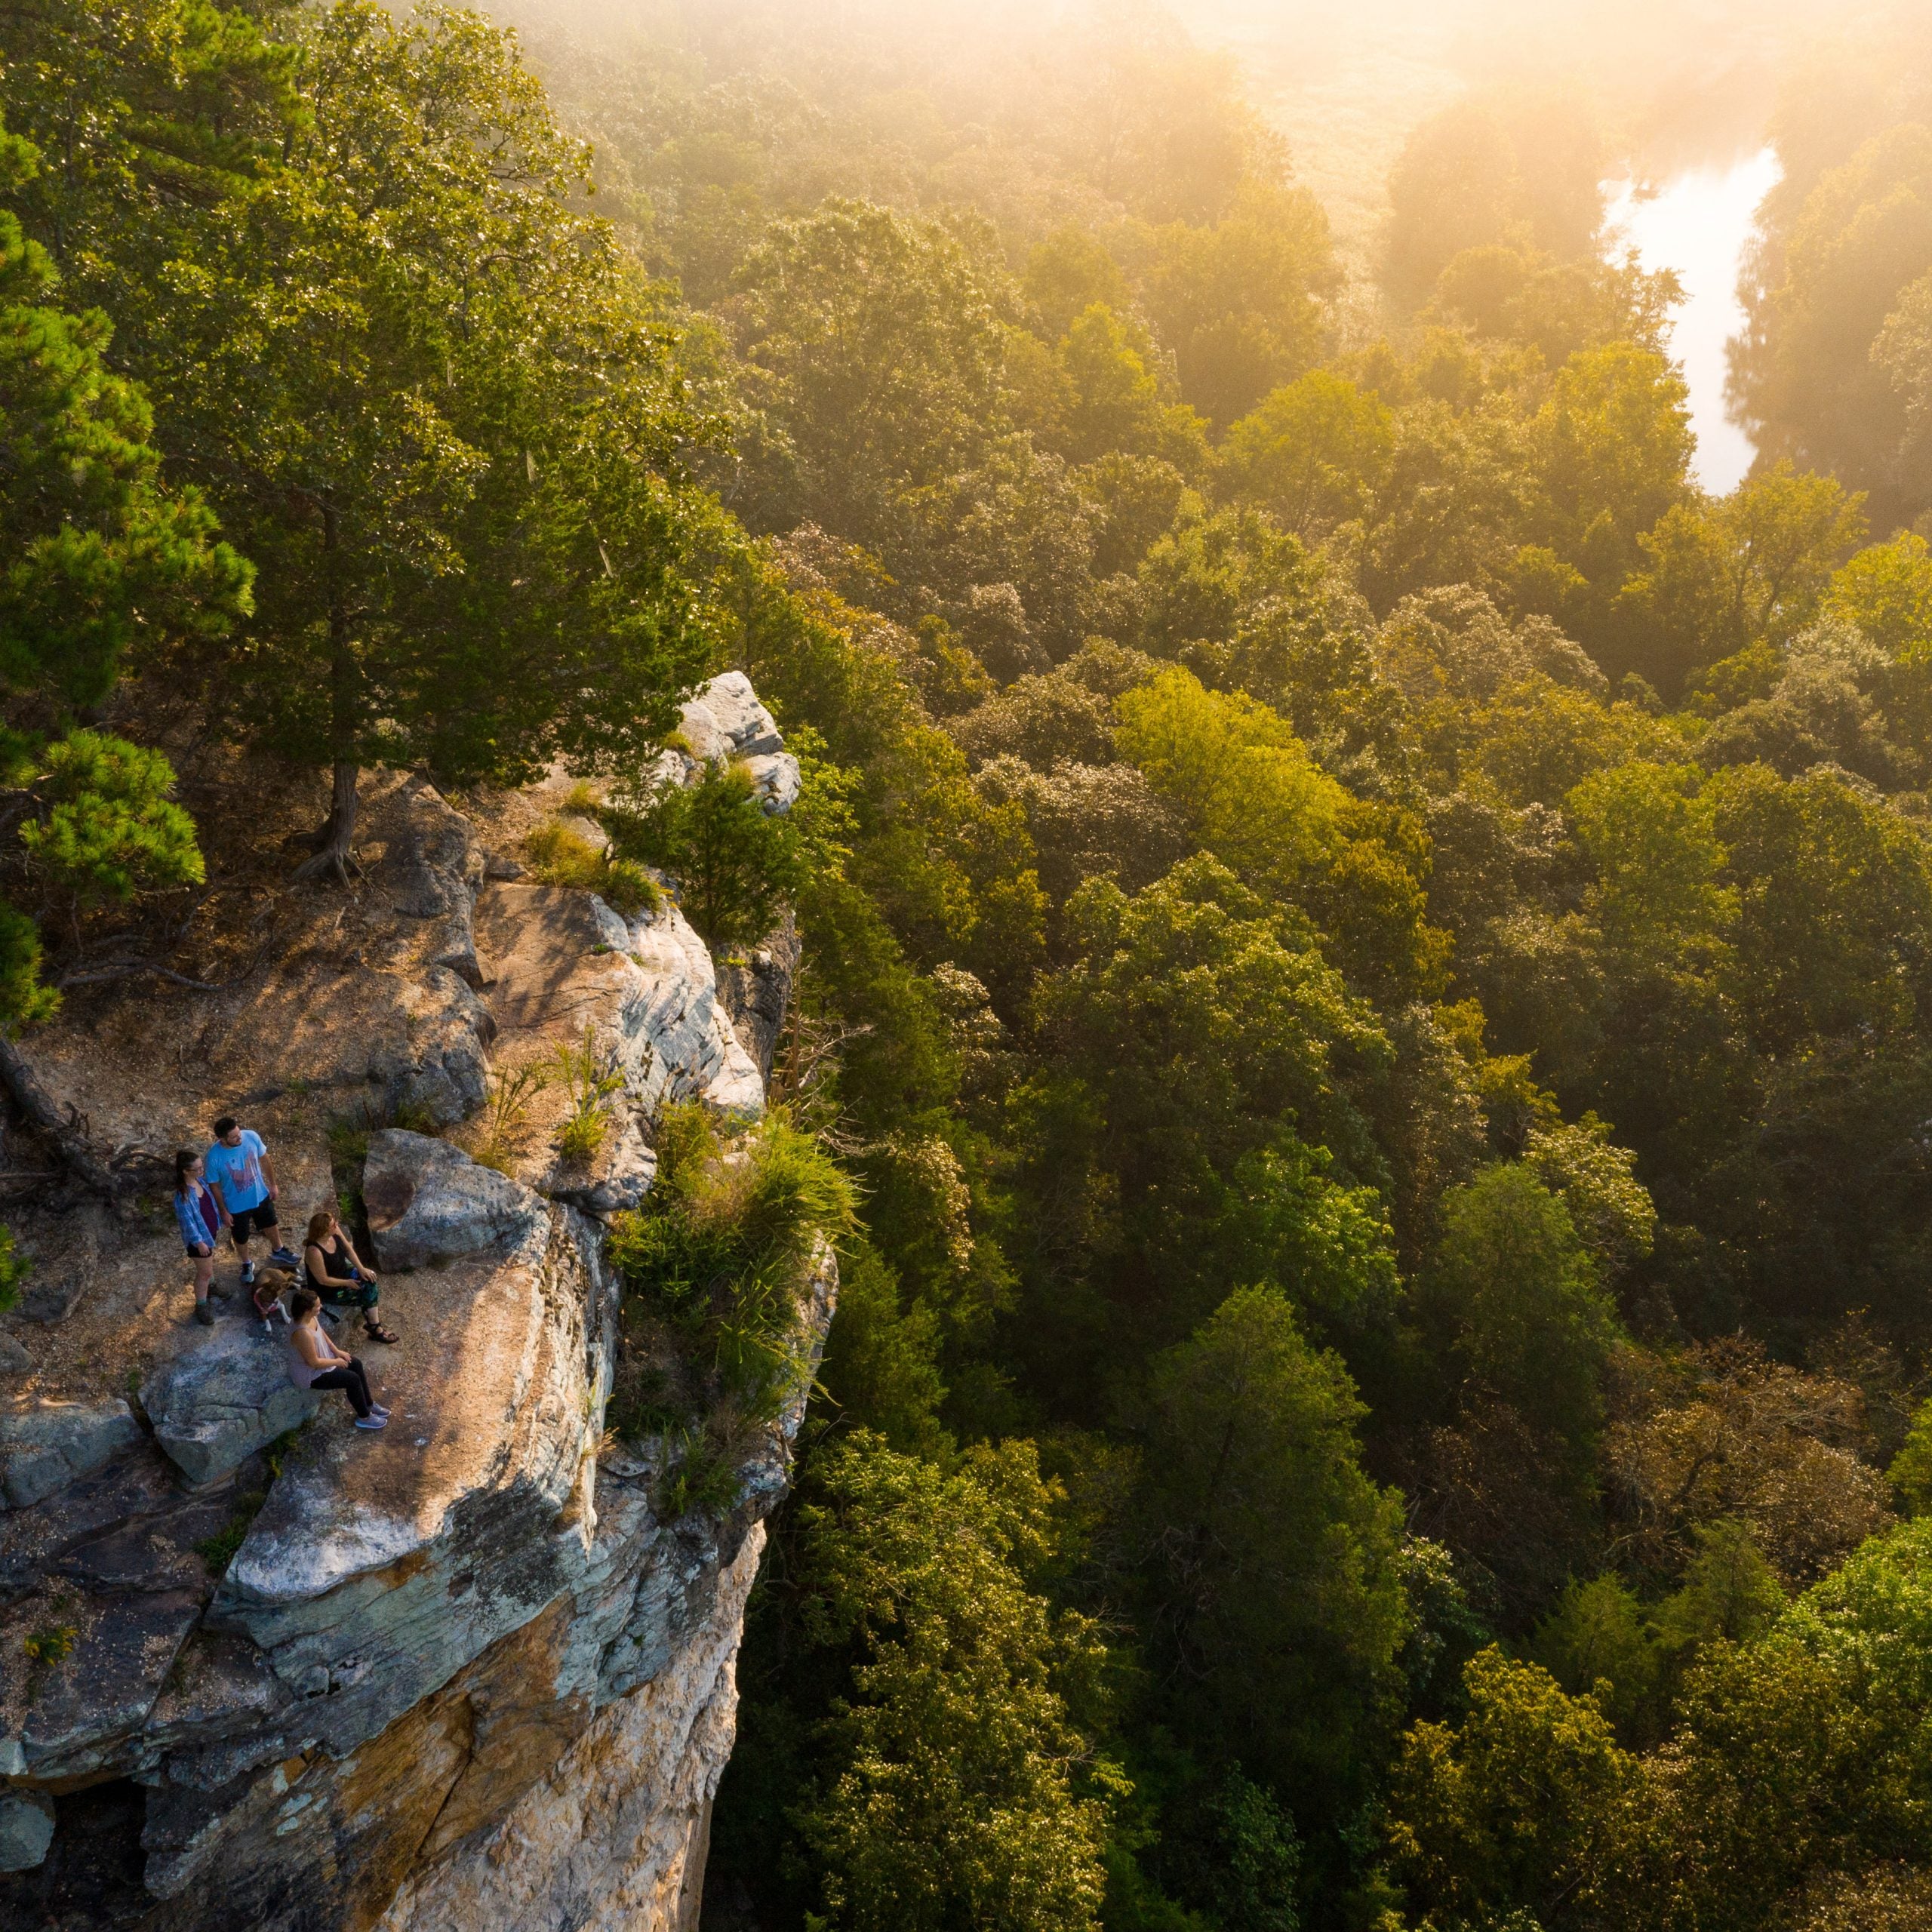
[
  {"x": 335, "y": 1273},
  {"x": 315, "y": 1362}
]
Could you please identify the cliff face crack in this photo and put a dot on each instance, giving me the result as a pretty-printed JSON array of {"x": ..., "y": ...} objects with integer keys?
[{"x": 468, "y": 1740}]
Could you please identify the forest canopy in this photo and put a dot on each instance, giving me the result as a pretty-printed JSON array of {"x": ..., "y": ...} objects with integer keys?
[{"x": 1364, "y": 935}]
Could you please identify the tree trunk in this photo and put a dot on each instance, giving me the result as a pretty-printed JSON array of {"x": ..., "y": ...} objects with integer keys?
[
  {"x": 335, "y": 854},
  {"x": 335, "y": 850}
]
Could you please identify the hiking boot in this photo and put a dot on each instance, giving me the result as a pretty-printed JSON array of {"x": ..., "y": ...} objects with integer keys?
[
  {"x": 204, "y": 1315},
  {"x": 217, "y": 1294}
]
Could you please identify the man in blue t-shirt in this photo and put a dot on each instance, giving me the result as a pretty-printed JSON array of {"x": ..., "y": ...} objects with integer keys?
[{"x": 239, "y": 1170}]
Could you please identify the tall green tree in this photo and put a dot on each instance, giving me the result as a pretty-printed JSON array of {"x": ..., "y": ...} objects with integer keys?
[
  {"x": 873, "y": 354},
  {"x": 952, "y": 1792},
  {"x": 1313, "y": 452},
  {"x": 104, "y": 566},
  {"x": 432, "y": 402},
  {"x": 1274, "y": 1569},
  {"x": 1531, "y": 1320},
  {"x": 1514, "y": 1817}
]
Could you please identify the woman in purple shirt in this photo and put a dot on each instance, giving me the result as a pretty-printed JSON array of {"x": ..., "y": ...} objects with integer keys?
[{"x": 197, "y": 1214}]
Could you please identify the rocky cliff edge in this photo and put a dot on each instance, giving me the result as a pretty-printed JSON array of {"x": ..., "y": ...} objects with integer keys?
[{"x": 257, "y": 1670}]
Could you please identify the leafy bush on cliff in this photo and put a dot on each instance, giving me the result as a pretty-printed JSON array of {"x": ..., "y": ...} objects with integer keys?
[{"x": 720, "y": 1250}]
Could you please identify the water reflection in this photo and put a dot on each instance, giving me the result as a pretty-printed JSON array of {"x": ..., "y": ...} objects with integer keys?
[{"x": 1698, "y": 223}]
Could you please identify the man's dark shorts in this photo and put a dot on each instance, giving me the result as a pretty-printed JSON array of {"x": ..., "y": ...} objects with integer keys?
[{"x": 254, "y": 1220}]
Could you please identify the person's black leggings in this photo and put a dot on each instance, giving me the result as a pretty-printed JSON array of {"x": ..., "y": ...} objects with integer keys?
[{"x": 353, "y": 1381}]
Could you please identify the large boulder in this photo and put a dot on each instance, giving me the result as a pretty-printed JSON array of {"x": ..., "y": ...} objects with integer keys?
[
  {"x": 724, "y": 722},
  {"x": 222, "y": 1395},
  {"x": 27, "y": 1830},
  {"x": 45, "y": 1445},
  {"x": 429, "y": 1201}
]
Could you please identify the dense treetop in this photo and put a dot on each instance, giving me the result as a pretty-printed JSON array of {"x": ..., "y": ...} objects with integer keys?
[{"x": 1368, "y": 943}]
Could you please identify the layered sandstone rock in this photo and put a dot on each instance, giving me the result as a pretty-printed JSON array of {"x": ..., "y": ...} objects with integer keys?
[{"x": 459, "y": 1672}]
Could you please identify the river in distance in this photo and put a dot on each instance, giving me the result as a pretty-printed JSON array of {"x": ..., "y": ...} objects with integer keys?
[{"x": 1699, "y": 223}]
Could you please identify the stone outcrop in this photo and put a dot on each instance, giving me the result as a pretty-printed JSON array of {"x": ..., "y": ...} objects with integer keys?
[
  {"x": 213, "y": 1400},
  {"x": 429, "y": 1201},
  {"x": 725, "y": 723},
  {"x": 640, "y": 995},
  {"x": 462, "y": 1671},
  {"x": 378, "y": 1010},
  {"x": 44, "y": 1446},
  {"x": 756, "y": 990},
  {"x": 614, "y": 1837}
]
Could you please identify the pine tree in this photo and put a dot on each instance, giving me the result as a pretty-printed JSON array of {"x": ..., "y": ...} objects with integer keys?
[{"x": 434, "y": 405}]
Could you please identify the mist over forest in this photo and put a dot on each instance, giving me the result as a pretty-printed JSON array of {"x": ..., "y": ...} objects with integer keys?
[{"x": 1363, "y": 933}]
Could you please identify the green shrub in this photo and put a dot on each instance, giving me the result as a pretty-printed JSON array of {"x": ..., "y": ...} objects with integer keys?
[
  {"x": 721, "y": 1249},
  {"x": 581, "y": 1136},
  {"x": 112, "y": 829},
  {"x": 14, "y": 1267},
  {"x": 702, "y": 1477},
  {"x": 559, "y": 854},
  {"x": 644, "y": 1401},
  {"x": 593, "y": 1079},
  {"x": 1596, "y": 1642},
  {"x": 52, "y": 1644},
  {"x": 506, "y": 1103},
  {"x": 734, "y": 864},
  {"x": 276, "y": 1453}
]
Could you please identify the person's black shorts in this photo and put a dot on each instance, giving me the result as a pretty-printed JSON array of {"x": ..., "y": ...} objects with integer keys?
[{"x": 260, "y": 1219}]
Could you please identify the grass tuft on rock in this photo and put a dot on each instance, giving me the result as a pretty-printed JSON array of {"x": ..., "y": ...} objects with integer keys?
[
  {"x": 715, "y": 1265},
  {"x": 559, "y": 854}
]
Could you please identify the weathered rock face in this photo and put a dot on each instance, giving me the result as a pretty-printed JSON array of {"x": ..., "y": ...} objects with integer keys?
[
  {"x": 214, "y": 1400},
  {"x": 726, "y": 723},
  {"x": 379, "y": 1009},
  {"x": 459, "y": 1673},
  {"x": 642, "y": 997},
  {"x": 44, "y": 1446},
  {"x": 614, "y": 1839},
  {"x": 428, "y": 1202}
]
